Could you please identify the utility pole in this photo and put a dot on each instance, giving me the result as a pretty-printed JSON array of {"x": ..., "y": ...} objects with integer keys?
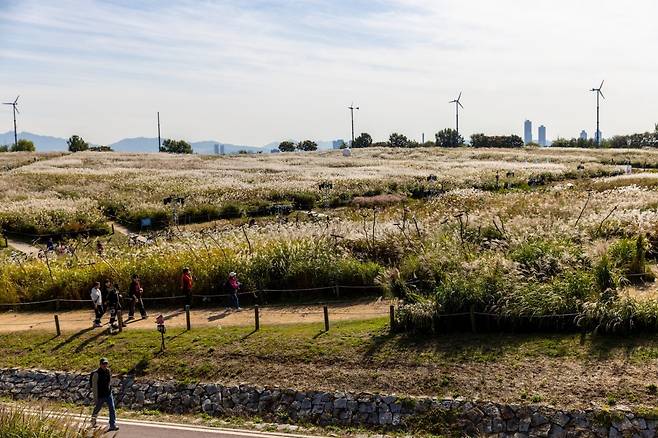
[
  {"x": 352, "y": 108},
  {"x": 159, "y": 143}
]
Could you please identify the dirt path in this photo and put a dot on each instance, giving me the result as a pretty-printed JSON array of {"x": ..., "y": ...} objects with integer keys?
[
  {"x": 24, "y": 247},
  {"x": 76, "y": 320}
]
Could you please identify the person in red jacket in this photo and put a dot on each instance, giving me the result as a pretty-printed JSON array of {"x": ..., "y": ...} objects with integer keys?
[
  {"x": 186, "y": 284},
  {"x": 135, "y": 295}
]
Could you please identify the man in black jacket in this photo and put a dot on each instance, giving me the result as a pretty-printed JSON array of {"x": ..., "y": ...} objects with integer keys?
[{"x": 100, "y": 386}]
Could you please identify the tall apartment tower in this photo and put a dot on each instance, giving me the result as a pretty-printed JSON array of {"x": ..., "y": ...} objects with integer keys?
[
  {"x": 222, "y": 149},
  {"x": 583, "y": 135},
  {"x": 527, "y": 132},
  {"x": 542, "y": 135},
  {"x": 216, "y": 149}
]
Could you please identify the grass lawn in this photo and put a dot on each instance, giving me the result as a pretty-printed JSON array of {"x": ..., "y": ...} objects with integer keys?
[{"x": 561, "y": 369}]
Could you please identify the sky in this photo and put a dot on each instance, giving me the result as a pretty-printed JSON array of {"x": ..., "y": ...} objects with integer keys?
[{"x": 255, "y": 71}]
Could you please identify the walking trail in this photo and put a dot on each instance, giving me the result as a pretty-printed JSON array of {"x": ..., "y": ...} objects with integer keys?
[
  {"x": 26, "y": 248},
  {"x": 75, "y": 320}
]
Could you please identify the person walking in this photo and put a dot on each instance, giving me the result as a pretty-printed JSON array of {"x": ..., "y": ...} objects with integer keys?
[
  {"x": 97, "y": 300},
  {"x": 186, "y": 284},
  {"x": 135, "y": 295},
  {"x": 234, "y": 287},
  {"x": 101, "y": 381},
  {"x": 113, "y": 303}
]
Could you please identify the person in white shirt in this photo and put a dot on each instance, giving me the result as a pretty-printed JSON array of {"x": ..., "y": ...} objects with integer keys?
[{"x": 97, "y": 300}]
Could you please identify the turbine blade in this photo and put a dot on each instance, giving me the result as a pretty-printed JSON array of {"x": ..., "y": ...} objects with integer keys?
[
  {"x": 16, "y": 99},
  {"x": 460, "y": 96},
  {"x": 601, "y": 86},
  {"x": 601, "y": 94},
  {"x": 16, "y": 109},
  {"x": 459, "y": 103}
]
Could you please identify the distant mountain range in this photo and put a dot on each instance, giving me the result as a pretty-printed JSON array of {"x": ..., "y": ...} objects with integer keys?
[{"x": 45, "y": 143}]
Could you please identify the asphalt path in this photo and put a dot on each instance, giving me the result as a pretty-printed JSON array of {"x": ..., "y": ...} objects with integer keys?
[{"x": 152, "y": 429}]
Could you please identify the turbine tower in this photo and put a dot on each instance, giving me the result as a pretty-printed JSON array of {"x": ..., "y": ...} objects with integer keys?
[
  {"x": 14, "y": 105},
  {"x": 597, "y": 136},
  {"x": 352, "y": 108},
  {"x": 457, "y": 105}
]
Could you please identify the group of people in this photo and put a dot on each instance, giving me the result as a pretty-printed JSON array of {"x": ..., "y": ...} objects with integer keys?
[{"x": 108, "y": 298}]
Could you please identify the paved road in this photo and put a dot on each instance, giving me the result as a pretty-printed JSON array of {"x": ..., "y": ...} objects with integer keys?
[{"x": 148, "y": 429}]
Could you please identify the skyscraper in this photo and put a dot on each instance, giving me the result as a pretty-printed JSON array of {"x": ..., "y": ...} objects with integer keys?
[
  {"x": 216, "y": 149},
  {"x": 583, "y": 135},
  {"x": 527, "y": 132},
  {"x": 222, "y": 149},
  {"x": 542, "y": 135}
]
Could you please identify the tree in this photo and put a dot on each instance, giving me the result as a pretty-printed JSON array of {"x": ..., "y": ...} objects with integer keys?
[
  {"x": 287, "y": 146},
  {"x": 4, "y": 148},
  {"x": 23, "y": 146},
  {"x": 176, "y": 146},
  {"x": 449, "y": 138},
  {"x": 307, "y": 145},
  {"x": 398, "y": 140},
  {"x": 362, "y": 141},
  {"x": 496, "y": 141},
  {"x": 77, "y": 144}
]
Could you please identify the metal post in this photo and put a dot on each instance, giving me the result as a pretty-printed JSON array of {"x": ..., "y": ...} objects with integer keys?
[
  {"x": 326, "y": 318},
  {"x": 59, "y": 332},
  {"x": 187, "y": 316},
  {"x": 256, "y": 318}
]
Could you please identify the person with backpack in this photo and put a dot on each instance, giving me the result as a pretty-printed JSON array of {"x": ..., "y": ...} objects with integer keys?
[
  {"x": 97, "y": 301},
  {"x": 186, "y": 284},
  {"x": 100, "y": 382},
  {"x": 113, "y": 303},
  {"x": 233, "y": 285},
  {"x": 135, "y": 295}
]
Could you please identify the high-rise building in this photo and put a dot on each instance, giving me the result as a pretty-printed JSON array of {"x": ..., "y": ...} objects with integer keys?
[
  {"x": 583, "y": 135},
  {"x": 527, "y": 132},
  {"x": 541, "y": 137},
  {"x": 222, "y": 149},
  {"x": 216, "y": 149}
]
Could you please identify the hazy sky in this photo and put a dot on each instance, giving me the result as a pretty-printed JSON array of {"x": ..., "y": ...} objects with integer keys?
[{"x": 254, "y": 71}]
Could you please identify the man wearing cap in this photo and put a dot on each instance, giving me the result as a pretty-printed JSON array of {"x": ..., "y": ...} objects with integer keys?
[{"x": 100, "y": 385}]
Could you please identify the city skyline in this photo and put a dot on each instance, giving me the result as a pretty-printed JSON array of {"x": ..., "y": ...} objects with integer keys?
[{"x": 249, "y": 73}]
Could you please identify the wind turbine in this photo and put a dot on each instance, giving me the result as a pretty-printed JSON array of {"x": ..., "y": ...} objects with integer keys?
[
  {"x": 457, "y": 105},
  {"x": 13, "y": 105},
  {"x": 598, "y": 93},
  {"x": 352, "y": 108}
]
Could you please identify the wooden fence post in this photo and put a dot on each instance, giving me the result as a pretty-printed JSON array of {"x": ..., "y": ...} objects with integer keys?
[
  {"x": 59, "y": 332},
  {"x": 120, "y": 318},
  {"x": 391, "y": 311},
  {"x": 473, "y": 326},
  {"x": 326, "y": 318},
  {"x": 337, "y": 291},
  {"x": 256, "y": 318},
  {"x": 187, "y": 316}
]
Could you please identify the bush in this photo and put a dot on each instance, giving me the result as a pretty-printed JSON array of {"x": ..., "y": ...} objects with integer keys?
[{"x": 303, "y": 200}]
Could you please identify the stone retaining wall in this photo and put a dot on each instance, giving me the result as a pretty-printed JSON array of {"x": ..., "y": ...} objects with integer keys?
[{"x": 289, "y": 406}]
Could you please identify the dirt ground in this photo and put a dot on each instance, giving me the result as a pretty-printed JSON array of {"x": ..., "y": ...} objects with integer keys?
[{"x": 75, "y": 320}]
